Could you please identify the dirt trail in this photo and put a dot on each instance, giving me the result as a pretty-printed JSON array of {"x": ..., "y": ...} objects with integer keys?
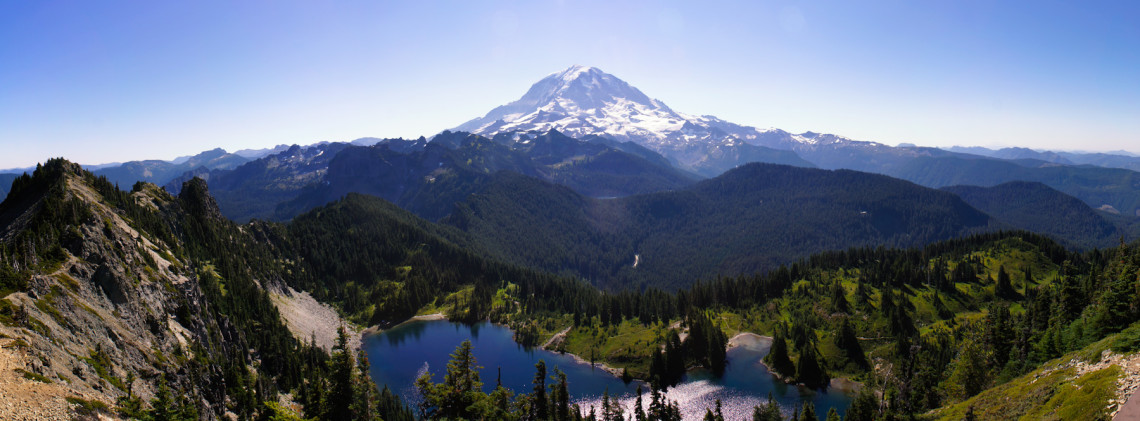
[{"x": 557, "y": 337}]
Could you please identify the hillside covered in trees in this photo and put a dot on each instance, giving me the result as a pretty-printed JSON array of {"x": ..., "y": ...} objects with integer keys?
[
  {"x": 1038, "y": 208},
  {"x": 752, "y": 218},
  {"x": 1095, "y": 186},
  {"x": 145, "y": 305}
]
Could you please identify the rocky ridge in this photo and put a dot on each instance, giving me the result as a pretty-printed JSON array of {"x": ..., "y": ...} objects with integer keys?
[
  {"x": 112, "y": 318},
  {"x": 104, "y": 302}
]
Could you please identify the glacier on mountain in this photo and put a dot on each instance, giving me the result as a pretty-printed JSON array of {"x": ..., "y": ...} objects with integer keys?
[{"x": 583, "y": 101}]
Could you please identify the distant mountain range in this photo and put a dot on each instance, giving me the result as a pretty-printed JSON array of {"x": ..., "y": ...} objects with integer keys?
[
  {"x": 584, "y": 101},
  {"x": 602, "y": 138},
  {"x": 254, "y": 189},
  {"x": 428, "y": 177},
  {"x": 161, "y": 172},
  {"x": 1123, "y": 160}
]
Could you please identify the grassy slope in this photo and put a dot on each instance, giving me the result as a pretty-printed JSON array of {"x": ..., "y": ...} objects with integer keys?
[{"x": 1055, "y": 391}]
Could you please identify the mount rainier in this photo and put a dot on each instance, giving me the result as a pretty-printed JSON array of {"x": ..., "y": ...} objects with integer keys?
[{"x": 583, "y": 101}]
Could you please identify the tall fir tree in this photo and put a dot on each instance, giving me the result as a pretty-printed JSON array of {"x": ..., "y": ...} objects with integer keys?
[{"x": 777, "y": 357}]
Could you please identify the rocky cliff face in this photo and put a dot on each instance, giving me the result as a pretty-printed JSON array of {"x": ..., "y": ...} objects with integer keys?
[{"x": 103, "y": 301}]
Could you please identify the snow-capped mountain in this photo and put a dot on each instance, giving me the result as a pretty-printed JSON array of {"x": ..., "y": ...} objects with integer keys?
[{"x": 582, "y": 101}]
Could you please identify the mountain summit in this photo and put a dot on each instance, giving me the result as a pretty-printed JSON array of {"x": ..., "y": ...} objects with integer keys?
[
  {"x": 582, "y": 101},
  {"x": 578, "y": 88}
]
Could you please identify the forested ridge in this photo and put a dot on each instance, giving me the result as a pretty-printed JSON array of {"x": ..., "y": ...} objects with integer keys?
[
  {"x": 1095, "y": 186},
  {"x": 239, "y": 357},
  {"x": 752, "y": 218},
  {"x": 1038, "y": 208}
]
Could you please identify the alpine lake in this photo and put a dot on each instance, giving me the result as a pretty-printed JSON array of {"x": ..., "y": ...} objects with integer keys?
[{"x": 400, "y": 355}]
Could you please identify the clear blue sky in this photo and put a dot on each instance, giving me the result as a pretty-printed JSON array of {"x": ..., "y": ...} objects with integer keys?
[{"x": 100, "y": 81}]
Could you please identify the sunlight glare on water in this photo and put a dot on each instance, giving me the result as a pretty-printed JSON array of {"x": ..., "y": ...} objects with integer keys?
[{"x": 406, "y": 352}]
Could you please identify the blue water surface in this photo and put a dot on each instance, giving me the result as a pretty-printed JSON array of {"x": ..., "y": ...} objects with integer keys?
[{"x": 400, "y": 355}]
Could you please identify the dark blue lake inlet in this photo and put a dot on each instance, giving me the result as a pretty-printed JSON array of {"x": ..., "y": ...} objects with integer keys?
[{"x": 400, "y": 355}]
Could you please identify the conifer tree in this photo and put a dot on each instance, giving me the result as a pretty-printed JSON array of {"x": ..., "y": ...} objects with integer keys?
[
  {"x": 459, "y": 391},
  {"x": 862, "y": 295},
  {"x": 539, "y": 406},
  {"x": 657, "y": 370},
  {"x": 968, "y": 375},
  {"x": 339, "y": 401},
  {"x": 769, "y": 411},
  {"x": 638, "y": 408},
  {"x": 865, "y": 407},
  {"x": 364, "y": 403},
  {"x": 606, "y": 405},
  {"x": 1004, "y": 288},
  {"x": 839, "y": 299},
  {"x": 847, "y": 341},
  {"x": 833, "y": 415},
  {"x": 561, "y": 396},
  {"x": 162, "y": 406},
  {"x": 611, "y": 409},
  {"x": 777, "y": 357},
  {"x": 808, "y": 413},
  {"x": 808, "y": 370},
  {"x": 709, "y": 415},
  {"x": 674, "y": 358},
  {"x": 999, "y": 334}
]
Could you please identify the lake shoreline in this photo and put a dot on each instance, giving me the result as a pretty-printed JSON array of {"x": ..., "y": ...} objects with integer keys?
[
  {"x": 602, "y": 366},
  {"x": 738, "y": 340},
  {"x": 561, "y": 335},
  {"x": 376, "y": 329},
  {"x": 838, "y": 383}
]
